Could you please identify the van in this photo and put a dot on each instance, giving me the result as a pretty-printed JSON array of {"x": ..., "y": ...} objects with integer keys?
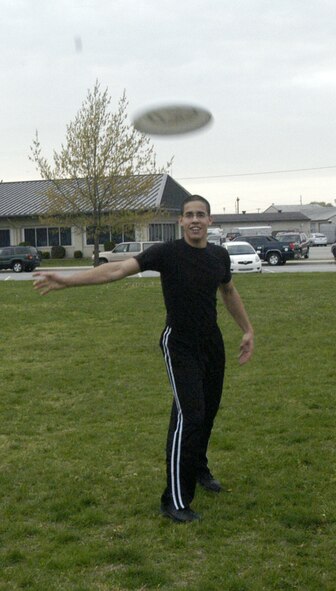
[{"x": 124, "y": 250}]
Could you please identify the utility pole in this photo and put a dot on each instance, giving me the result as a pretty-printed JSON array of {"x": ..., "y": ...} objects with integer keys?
[{"x": 237, "y": 205}]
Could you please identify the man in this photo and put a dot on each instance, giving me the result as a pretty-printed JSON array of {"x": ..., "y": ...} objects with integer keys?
[{"x": 192, "y": 271}]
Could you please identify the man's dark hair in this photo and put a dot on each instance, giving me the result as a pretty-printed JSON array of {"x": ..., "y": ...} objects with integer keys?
[{"x": 195, "y": 198}]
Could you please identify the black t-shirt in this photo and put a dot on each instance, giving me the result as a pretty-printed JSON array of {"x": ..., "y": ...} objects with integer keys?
[{"x": 190, "y": 278}]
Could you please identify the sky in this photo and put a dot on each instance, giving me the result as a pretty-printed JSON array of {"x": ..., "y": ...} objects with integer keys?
[{"x": 266, "y": 70}]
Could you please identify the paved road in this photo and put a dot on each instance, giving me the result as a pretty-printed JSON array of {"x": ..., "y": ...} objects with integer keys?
[
  {"x": 320, "y": 261},
  {"x": 302, "y": 267}
]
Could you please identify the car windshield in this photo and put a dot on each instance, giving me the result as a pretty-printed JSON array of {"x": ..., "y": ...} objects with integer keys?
[{"x": 240, "y": 249}]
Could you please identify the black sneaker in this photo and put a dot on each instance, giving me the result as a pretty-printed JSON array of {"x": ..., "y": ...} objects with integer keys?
[
  {"x": 208, "y": 482},
  {"x": 179, "y": 515}
]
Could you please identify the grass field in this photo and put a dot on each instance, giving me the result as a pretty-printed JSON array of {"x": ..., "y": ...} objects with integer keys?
[{"x": 84, "y": 411}]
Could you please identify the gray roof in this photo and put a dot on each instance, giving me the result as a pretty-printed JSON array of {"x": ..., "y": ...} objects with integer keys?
[
  {"x": 28, "y": 198},
  {"x": 313, "y": 211},
  {"x": 259, "y": 218}
]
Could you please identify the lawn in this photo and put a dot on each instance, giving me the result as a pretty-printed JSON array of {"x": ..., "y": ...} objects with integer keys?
[{"x": 84, "y": 411}]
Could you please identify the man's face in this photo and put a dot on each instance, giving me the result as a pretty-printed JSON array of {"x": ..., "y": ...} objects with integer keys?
[{"x": 195, "y": 222}]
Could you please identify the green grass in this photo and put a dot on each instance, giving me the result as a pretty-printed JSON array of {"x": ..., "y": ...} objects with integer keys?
[{"x": 84, "y": 411}]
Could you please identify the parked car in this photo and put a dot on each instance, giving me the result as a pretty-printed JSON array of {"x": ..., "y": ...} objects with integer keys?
[
  {"x": 297, "y": 241},
  {"x": 243, "y": 257},
  {"x": 215, "y": 239},
  {"x": 231, "y": 236},
  {"x": 19, "y": 258},
  {"x": 269, "y": 249},
  {"x": 124, "y": 250},
  {"x": 318, "y": 239}
]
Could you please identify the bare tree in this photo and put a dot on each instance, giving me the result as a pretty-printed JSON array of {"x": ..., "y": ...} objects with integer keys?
[{"x": 102, "y": 174}]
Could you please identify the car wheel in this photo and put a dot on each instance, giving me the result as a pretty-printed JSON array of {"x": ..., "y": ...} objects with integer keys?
[
  {"x": 102, "y": 261},
  {"x": 306, "y": 256},
  {"x": 274, "y": 259},
  {"x": 17, "y": 267}
]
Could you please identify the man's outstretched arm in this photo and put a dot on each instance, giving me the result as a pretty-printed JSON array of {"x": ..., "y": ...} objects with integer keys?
[
  {"x": 235, "y": 306},
  {"x": 48, "y": 281}
]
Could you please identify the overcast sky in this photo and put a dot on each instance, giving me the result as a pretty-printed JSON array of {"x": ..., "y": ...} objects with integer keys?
[{"x": 266, "y": 69}]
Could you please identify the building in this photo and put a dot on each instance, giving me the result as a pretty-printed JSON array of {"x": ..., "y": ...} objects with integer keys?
[
  {"x": 278, "y": 220},
  {"x": 23, "y": 203},
  {"x": 322, "y": 219}
]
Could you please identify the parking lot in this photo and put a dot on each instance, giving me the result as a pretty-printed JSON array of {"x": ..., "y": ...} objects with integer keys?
[{"x": 320, "y": 261}]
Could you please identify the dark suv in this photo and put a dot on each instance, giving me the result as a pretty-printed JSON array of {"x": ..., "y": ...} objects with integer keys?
[
  {"x": 297, "y": 241},
  {"x": 19, "y": 258},
  {"x": 269, "y": 249}
]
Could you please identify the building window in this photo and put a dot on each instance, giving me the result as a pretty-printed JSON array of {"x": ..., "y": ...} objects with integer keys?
[
  {"x": 40, "y": 237},
  {"x": 29, "y": 236},
  {"x": 65, "y": 234},
  {"x": 126, "y": 234},
  {"x": 4, "y": 238},
  {"x": 164, "y": 232},
  {"x": 53, "y": 235}
]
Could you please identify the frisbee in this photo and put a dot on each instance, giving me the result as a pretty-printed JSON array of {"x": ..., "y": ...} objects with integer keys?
[{"x": 172, "y": 119}]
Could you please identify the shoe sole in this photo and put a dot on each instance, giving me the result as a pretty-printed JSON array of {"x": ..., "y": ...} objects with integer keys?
[
  {"x": 165, "y": 513},
  {"x": 209, "y": 489}
]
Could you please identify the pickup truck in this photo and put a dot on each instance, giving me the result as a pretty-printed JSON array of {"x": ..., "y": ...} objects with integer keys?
[{"x": 269, "y": 249}]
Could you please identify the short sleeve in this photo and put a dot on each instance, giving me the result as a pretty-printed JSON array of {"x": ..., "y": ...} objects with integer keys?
[
  {"x": 151, "y": 259},
  {"x": 227, "y": 264}
]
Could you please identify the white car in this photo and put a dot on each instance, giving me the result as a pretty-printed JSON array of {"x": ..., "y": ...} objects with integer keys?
[
  {"x": 318, "y": 239},
  {"x": 122, "y": 251},
  {"x": 244, "y": 258}
]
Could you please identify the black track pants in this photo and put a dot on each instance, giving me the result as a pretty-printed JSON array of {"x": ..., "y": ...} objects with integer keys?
[{"x": 196, "y": 373}]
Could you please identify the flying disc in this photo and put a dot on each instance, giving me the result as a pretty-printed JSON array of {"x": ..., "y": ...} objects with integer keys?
[{"x": 172, "y": 119}]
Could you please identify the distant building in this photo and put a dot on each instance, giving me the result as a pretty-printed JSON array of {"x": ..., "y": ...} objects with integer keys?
[
  {"x": 322, "y": 219},
  {"x": 22, "y": 205},
  {"x": 277, "y": 220}
]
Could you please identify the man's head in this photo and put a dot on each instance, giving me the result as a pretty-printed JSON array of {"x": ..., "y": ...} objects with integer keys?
[
  {"x": 196, "y": 198},
  {"x": 195, "y": 220}
]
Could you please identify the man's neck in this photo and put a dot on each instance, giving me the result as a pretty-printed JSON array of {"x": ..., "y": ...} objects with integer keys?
[{"x": 196, "y": 243}]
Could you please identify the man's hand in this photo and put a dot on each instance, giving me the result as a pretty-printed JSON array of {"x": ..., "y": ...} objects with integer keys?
[
  {"x": 246, "y": 348},
  {"x": 45, "y": 282}
]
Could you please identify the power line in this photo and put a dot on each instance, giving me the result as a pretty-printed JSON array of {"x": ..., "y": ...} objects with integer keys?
[{"x": 221, "y": 176}]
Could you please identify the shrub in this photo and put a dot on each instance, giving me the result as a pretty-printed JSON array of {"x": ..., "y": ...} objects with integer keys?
[
  {"x": 44, "y": 254},
  {"x": 78, "y": 254},
  {"x": 109, "y": 245},
  {"x": 57, "y": 252}
]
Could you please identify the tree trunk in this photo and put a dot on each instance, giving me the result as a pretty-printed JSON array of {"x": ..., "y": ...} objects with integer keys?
[{"x": 96, "y": 249}]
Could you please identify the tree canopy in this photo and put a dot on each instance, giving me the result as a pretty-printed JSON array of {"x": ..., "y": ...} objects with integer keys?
[
  {"x": 101, "y": 171},
  {"x": 322, "y": 203}
]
